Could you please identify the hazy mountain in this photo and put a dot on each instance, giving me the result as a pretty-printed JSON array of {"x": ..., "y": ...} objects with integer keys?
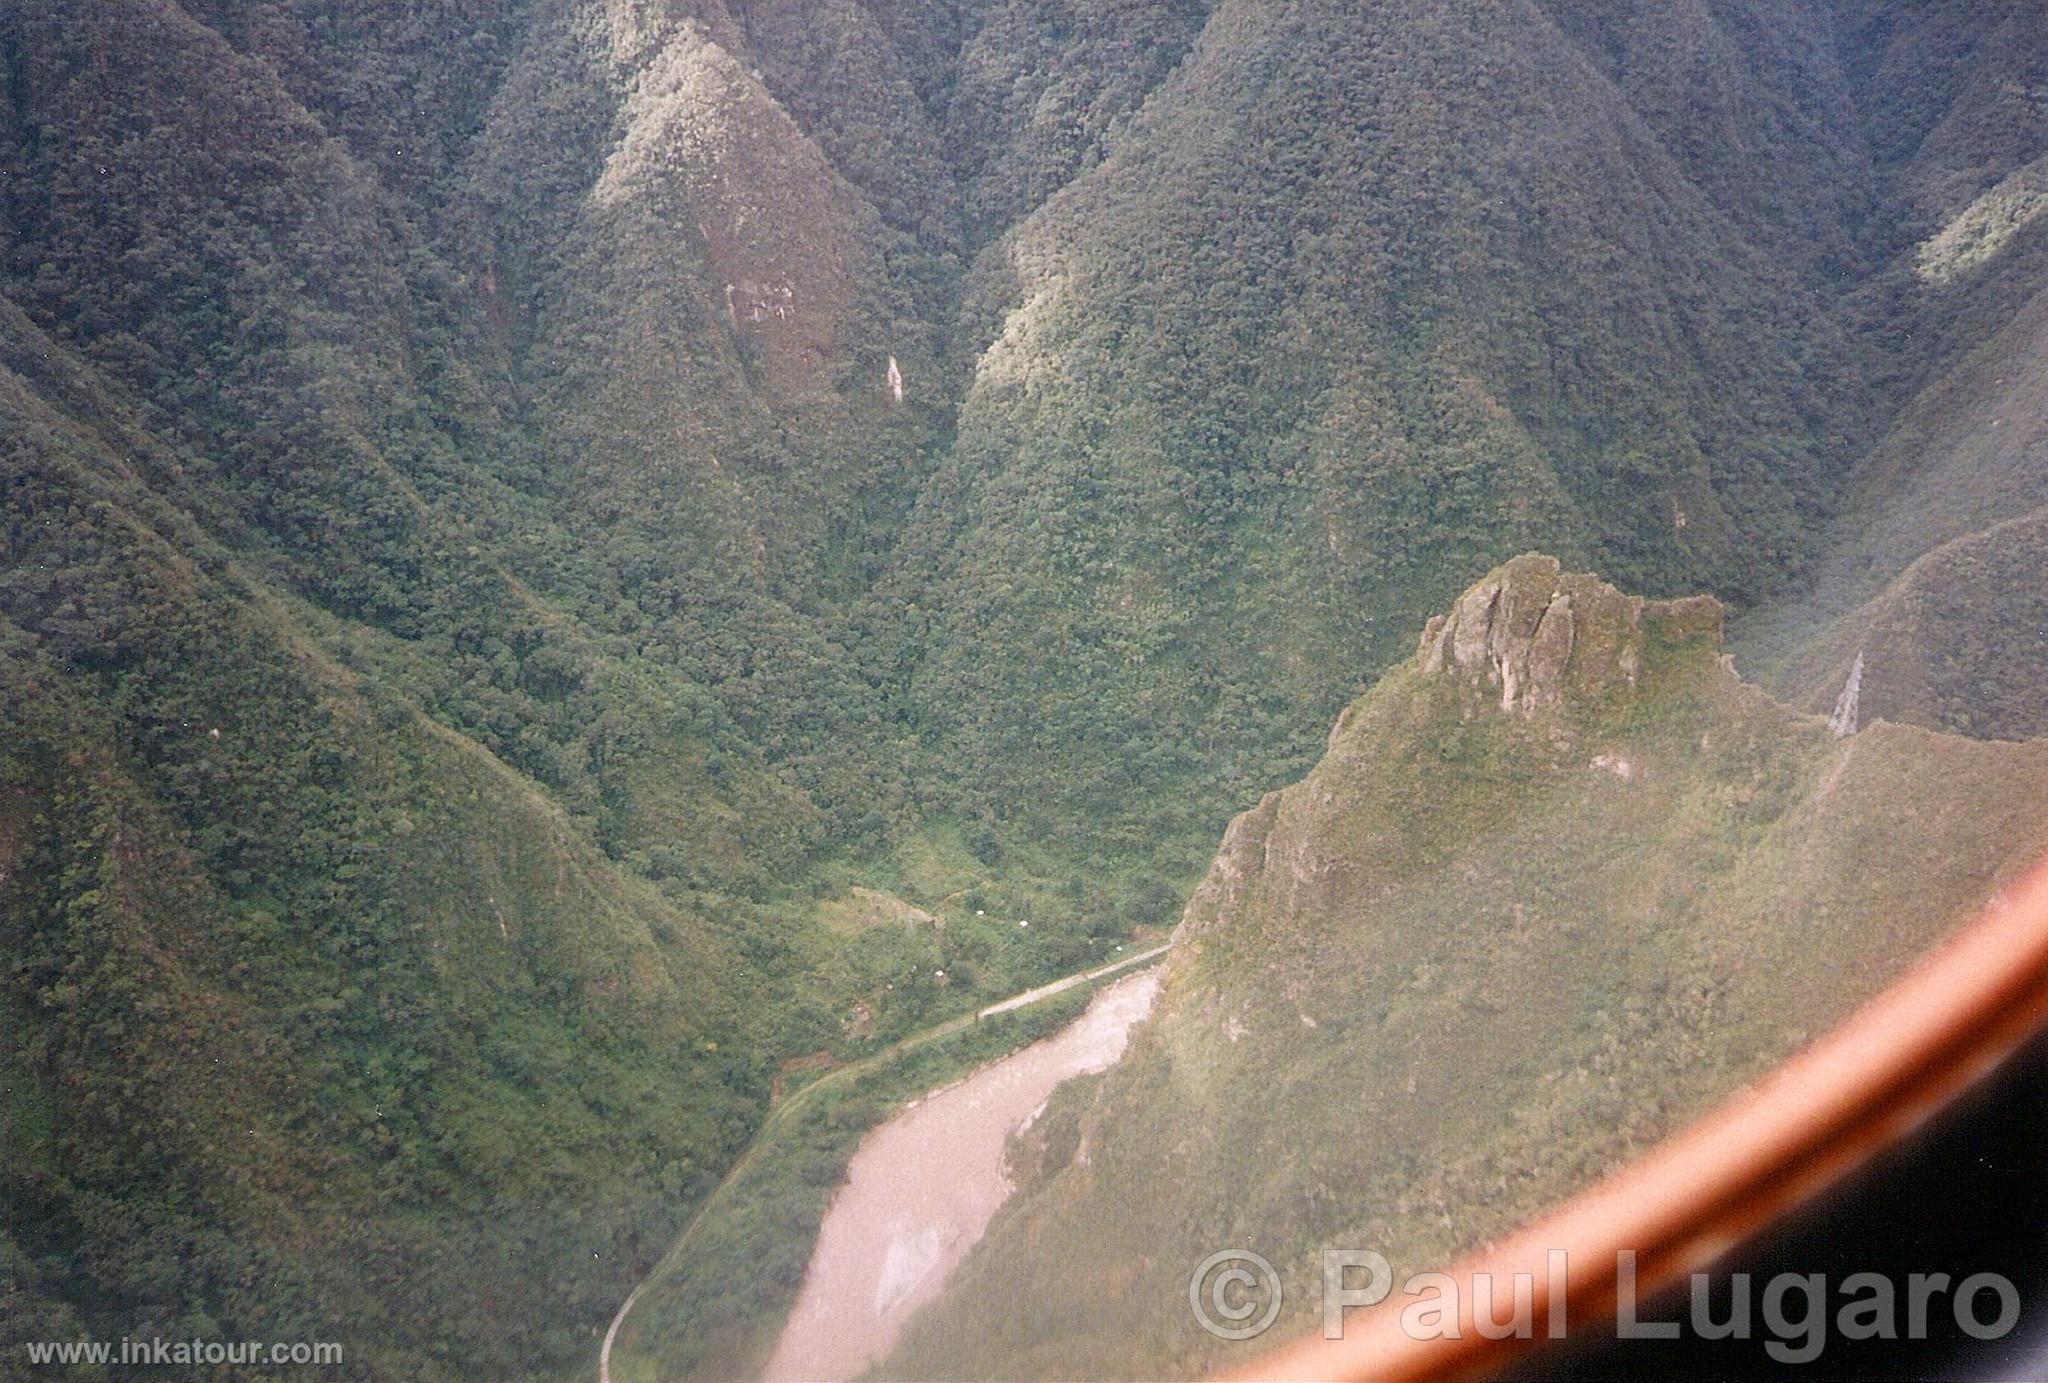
[{"x": 1560, "y": 881}]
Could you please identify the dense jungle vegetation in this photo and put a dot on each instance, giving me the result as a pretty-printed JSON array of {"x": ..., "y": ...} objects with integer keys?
[{"x": 558, "y": 557}]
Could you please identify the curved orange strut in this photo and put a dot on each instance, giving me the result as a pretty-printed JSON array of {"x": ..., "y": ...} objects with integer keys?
[{"x": 1768, "y": 1149}]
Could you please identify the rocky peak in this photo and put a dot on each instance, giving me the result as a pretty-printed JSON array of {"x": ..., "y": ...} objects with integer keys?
[{"x": 1536, "y": 635}]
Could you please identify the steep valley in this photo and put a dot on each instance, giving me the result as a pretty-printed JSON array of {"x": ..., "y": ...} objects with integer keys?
[{"x": 567, "y": 566}]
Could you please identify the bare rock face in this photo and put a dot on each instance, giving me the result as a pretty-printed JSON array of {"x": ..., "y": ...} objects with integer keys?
[
  {"x": 1534, "y": 636},
  {"x": 1240, "y": 862}
]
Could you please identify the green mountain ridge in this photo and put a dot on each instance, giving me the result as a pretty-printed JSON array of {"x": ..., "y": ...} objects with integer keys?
[
  {"x": 1560, "y": 882},
  {"x": 294, "y": 973}
]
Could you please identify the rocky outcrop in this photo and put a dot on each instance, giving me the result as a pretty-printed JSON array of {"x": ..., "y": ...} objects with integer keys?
[
  {"x": 1240, "y": 861},
  {"x": 1534, "y": 636},
  {"x": 1529, "y": 638}
]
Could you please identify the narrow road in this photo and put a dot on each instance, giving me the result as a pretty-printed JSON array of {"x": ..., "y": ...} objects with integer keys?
[
  {"x": 842, "y": 1074},
  {"x": 1046, "y": 991}
]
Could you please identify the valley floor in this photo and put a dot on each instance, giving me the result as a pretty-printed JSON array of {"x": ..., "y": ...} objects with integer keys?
[{"x": 1081, "y": 1047}]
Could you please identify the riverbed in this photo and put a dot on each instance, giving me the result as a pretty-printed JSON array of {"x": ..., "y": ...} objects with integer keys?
[{"x": 922, "y": 1188}]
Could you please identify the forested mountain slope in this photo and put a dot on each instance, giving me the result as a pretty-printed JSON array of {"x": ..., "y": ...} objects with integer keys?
[
  {"x": 1930, "y": 566},
  {"x": 619, "y": 473},
  {"x": 1366, "y": 299},
  {"x": 1560, "y": 881},
  {"x": 316, "y": 1011}
]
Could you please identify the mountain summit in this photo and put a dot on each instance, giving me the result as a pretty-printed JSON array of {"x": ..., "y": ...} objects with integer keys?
[{"x": 1538, "y": 635}]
